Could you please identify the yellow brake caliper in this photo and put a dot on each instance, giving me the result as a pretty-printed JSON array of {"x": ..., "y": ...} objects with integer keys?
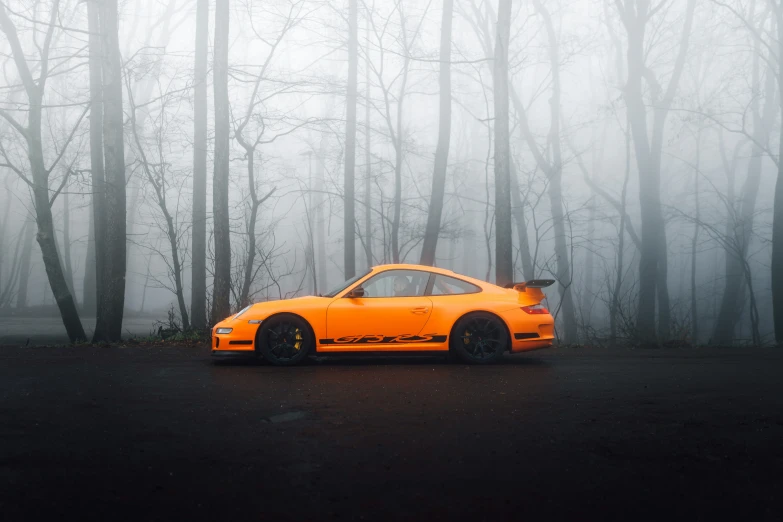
[
  {"x": 466, "y": 337},
  {"x": 298, "y": 338}
]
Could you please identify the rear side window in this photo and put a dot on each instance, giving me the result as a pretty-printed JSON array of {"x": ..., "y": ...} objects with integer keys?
[{"x": 445, "y": 285}]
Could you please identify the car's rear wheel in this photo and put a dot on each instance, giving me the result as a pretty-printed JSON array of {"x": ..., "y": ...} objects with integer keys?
[
  {"x": 285, "y": 340},
  {"x": 479, "y": 338}
]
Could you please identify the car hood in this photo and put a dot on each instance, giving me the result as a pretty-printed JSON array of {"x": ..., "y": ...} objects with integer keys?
[{"x": 263, "y": 309}]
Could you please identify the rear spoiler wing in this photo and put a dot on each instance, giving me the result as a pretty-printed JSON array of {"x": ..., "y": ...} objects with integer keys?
[
  {"x": 533, "y": 283},
  {"x": 532, "y": 289}
]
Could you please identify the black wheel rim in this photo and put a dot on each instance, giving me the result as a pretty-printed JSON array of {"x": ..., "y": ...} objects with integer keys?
[
  {"x": 285, "y": 340},
  {"x": 482, "y": 338}
]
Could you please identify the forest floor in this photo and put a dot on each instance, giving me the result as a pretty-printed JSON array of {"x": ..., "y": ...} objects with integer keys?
[
  {"x": 43, "y": 330},
  {"x": 149, "y": 433}
]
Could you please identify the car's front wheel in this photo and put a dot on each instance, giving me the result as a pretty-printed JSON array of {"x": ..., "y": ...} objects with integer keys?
[
  {"x": 285, "y": 340},
  {"x": 479, "y": 338}
]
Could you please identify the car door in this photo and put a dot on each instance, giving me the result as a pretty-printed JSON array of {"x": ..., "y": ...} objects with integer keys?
[{"x": 389, "y": 317}]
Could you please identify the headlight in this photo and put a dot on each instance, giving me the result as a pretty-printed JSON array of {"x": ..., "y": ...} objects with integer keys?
[
  {"x": 224, "y": 330},
  {"x": 242, "y": 311}
]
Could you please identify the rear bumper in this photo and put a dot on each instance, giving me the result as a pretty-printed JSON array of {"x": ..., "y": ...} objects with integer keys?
[{"x": 527, "y": 345}]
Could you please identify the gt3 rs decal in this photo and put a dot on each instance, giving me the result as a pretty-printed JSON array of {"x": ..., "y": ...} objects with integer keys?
[{"x": 381, "y": 339}]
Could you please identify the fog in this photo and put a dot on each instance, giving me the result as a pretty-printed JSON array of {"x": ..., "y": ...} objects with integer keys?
[{"x": 632, "y": 155}]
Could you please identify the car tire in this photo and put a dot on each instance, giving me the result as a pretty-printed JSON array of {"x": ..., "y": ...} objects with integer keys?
[
  {"x": 285, "y": 340},
  {"x": 479, "y": 338}
]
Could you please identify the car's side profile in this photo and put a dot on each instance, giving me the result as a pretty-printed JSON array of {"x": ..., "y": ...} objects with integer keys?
[{"x": 394, "y": 309}]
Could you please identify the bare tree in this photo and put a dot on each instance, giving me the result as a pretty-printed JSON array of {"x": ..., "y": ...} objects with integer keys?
[
  {"x": 31, "y": 133},
  {"x": 349, "y": 213},
  {"x": 108, "y": 326},
  {"x": 553, "y": 167},
  {"x": 504, "y": 269},
  {"x": 432, "y": 230},
  {"x": 635, "y": 17},
  {"x": 198, "y": 297},
  {"x": 221, "y": 294}
]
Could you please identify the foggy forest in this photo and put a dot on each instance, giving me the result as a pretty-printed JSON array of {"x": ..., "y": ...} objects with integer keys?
[{"x": 182, "y": 159}]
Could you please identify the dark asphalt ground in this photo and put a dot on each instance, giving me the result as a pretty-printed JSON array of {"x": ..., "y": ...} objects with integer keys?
[{"x": 164, "y": 434}]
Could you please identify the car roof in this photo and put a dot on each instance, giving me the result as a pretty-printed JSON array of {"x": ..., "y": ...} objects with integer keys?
[{"x": 443, "y": 271}]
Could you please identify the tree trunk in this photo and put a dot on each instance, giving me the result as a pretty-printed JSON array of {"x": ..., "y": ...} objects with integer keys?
[
  {"x": 739, "y": 222},
  {"x": 109, "y": 323},
  {"x": 432, "y": 230},
  {"x": 12, "y": 274},
  {"x": 221, "y": 306},
  {"x": 4, "y": 223},
  {"x": 694, "y": 245},
  {"x": 570, "y": 332},
  {"x": 504, "y": 269},
  {"x": 96, "y": 279},
  {"x": 198, "y": 303},
  {"x": 244, "y": 296},
  {"x": 88, "y": 290},
  {"x": 777, "y": 213},
  {"x": 24, "y": 275},
  {"x": 67, "y": 243},
  {"x": 319, "y": 217},
  {"x": 614, "y": 309},
  {"x": 367, "y": 153},
  {"x": 528, "y": 271},
  {"x": 349, "y": 212}
]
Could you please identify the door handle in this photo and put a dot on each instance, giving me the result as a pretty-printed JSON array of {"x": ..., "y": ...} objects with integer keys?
[{"x": 420, "y": 310}]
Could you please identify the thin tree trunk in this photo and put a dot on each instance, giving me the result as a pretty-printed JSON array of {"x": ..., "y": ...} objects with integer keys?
[
  {"x": 695, "y": 243},
  {"x": 255, "y": 203},
  {"x": 12, "y": 275},
  {"x": 109, "y": 323},
  {"x": 146, "y": 284},
  {"x": 367, "y": 152},
  {"x": 198, "y": 297},
  {"x": 432, "y": 230},
  {"x": 67, "y": 243},
  {"x": 319, "y": 216},
  {"x": 618, "y": 281},
  {"x": 97, "y": 175},
  {"x": 398, "y": 153},
  {"x": 504, "y": 267},
  {"x": 4, "y": 223},
  {"x": 528, "y": 272},
  {"x": 570, "y": 331},
  {"x": 28, "y": 232},
  {"x": 349, "y": 212},
  {"x": 89, "y": 291},
  {"x": 221, "y": 306}
]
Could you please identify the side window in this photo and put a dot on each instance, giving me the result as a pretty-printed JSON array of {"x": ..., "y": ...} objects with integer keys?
[
  {"x": 445, "y": 285},
  {"x": 396, "y": 283}
]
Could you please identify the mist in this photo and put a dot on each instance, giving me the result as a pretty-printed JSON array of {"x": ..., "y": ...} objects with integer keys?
[{"x": 178, "y": 160}]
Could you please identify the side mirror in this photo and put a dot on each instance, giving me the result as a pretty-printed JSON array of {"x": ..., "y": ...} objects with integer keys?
[{"x": 356, "y": 292}]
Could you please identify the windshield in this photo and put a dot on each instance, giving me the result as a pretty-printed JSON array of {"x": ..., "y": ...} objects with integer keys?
[{"x": 345, "y": 285}]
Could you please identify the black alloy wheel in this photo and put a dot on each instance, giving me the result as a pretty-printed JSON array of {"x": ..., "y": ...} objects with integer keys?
[
  {"x": 285, "y": 340},
  {"x": 479, "y": 338}
]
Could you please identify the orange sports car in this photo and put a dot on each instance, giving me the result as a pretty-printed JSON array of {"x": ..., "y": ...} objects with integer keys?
[{"x": 394, "y": 309}]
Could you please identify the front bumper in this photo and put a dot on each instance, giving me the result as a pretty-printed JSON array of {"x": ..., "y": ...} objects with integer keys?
[
  {"x": 228, "y": 354},
  {"x": 240, "y": 339}
]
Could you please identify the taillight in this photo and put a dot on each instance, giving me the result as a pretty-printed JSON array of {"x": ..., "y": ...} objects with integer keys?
[{"x": 535, "y": 309}]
